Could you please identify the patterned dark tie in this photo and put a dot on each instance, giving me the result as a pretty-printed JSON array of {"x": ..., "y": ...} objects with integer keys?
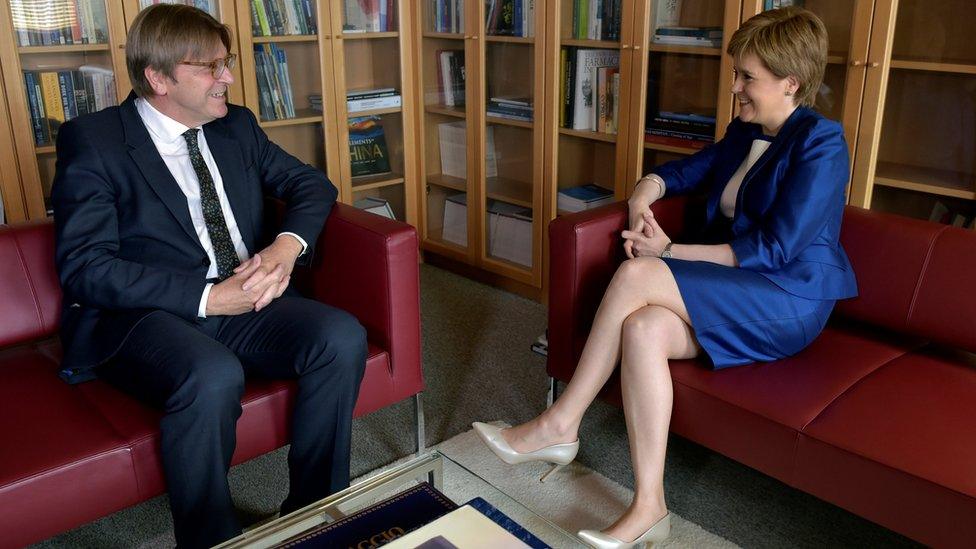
[{"x": 213, "y": 216}]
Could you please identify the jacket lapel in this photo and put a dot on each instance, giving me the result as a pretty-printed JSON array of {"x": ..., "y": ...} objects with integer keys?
[
  {"x": 146, "y": 157},
  {"x": 230, "y": 162}
]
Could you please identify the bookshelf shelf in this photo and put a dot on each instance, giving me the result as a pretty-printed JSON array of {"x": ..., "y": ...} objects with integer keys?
[
  {"x": 281, "y": 38},
  {"x": 368, "y": 182},
  {"x": 45, "y": 149},
  {"x": 586, "y": 134},
  {"x": 669, "y": 149},
  {"x": 510, "y": 39},
  {"x": 509, "y": 122},
  {"x": 446, "y": 111},
  {"x": 367, "y": 35},
  {"x": 926, "y": 180},
  {"x": 598, "y": 44},
  {"x": 63, "y": 49},
  {"x": 376, "y": 112},
  {"x": 448, "y": 182},
  {"x": 510, "y": 190},
  {"x": 692, "y": 50},
  {"x": 836, "y": 59},
  {"x": 443, "y": 35},
  {"x": 934, "y": 66},
  {"x": 304, "y": 116}
]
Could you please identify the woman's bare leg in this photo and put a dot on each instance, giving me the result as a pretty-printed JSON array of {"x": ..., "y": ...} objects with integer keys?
[
  {"x": 638, "y": 283},
  {"x": 651, "y": 336}
]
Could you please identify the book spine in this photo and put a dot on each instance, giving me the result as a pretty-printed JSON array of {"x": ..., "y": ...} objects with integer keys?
[
  {"x": 358, "y": 96},
  {"x": 35, "y": 112},
  {"x": 67, "y": 90},
  {"x": 679, "y": 135},
  {"x": 263, "y": 23},
  {"x": 375, "y": 103}
]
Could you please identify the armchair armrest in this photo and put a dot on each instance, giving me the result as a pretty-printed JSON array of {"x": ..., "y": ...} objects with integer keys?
[
  {"x": 585, "y": 249},
  {"x": 368, "y": 265}
]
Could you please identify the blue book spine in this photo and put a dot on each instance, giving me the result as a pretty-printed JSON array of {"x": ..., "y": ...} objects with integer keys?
[
  {"x": 507, "y": 523},
  {"x": 37, "y": 118}
]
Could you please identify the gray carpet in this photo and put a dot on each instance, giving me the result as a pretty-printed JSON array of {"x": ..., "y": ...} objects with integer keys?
[{"x": 478, "y": 367}]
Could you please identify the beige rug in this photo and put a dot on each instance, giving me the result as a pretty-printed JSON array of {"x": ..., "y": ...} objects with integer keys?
[{"x": 573, "y": 498}]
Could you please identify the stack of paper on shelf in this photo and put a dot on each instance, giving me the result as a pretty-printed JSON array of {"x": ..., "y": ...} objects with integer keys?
[
  {"x": 378, "y": 206},
  {"x": 510, "y": 232},
  {"x": 456, "y": 219},
  {"x": 583, "y": 197},
  {"x": 454, "y": 150}
]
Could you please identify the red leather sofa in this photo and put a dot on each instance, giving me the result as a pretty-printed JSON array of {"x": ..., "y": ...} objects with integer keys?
[
  {"x": 71, "y": 454},
  {"x": 877, "y": 416}
]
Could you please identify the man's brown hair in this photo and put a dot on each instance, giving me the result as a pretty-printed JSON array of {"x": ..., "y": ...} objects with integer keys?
[
  {"x": 790, "y": 42},
  {"x": 165, "y": 34}
]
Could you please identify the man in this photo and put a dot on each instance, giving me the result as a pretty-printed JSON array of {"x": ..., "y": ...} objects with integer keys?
[{"x": 158, "y": 213}]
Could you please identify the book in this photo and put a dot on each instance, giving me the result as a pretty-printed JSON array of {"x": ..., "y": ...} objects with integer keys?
[
  {"x": 697, "y": 32},
  {"x": 773, "y": 4},
  {"x": 378, "y": 206},
  {"x": 510, "y": 232},
  {"x": 390, "y": 518},
  {"x": 365, "y": 104},
  {"x": 583, "y": 197},
  {"x": 504, "y": 520},
  {"x": 463, "y": 527},
  {"x": 455, "y": 229},
  {"x": 452, "y": 138},
  {"x": 667, "y": 13},
  {"x": 367, "y": 146},
  {"x": 585, "y": 77},
  {"x": 697, "y": 41}
]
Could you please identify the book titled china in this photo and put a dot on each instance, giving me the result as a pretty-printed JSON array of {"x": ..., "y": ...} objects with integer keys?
[{"x": 367, "y": 146}]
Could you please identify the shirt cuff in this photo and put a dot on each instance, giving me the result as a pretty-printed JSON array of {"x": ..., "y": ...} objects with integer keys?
[
  {"x": 300, "y": 240},
  {"x": 202, "y": 309}
]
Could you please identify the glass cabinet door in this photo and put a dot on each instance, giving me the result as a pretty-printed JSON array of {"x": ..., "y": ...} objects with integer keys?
[
  {"x": 511, "y": 138},
  {"x": 442, "y": 69},
  {"x": 592, "y": 80},
  {"x": 687, "y": 79},
  {"x": 925, "y": 160},
  {"x": 371, "y": 88},
  {"x": 60, "y": 63},
  {"x": 286, "y": 68}
]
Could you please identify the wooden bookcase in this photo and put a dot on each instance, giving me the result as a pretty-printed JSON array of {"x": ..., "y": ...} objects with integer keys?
[
  {"x": 14, "y": 208},
  {"x": 499, "y": 167}
]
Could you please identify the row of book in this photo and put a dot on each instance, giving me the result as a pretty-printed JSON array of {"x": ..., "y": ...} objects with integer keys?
[
  {"x": 510, "y": 18},
  {"x": 56, "y": 96},
  {"x": 450, "y": 85},
  {"x": 589, "y": 89},
  {"x": 445, "y": 16},
  {"x": 511, "y": 108},
  {"x": 281, "y": 17},
  {"x": 706, "y": 37},
  {"x": 275, "y": 99},
  {"x": 596, "y": 19},
  {"x": 363, "y": 100},
  {"x": 685, "y": 130},
  {"x": 59, "y": 22},
  {"x": 369, "y": 15},
  {"x": 209, "y": 6}
]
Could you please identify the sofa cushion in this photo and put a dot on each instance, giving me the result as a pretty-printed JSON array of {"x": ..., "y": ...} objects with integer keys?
[
  {"x": 944, "y": 309},
  {"x": 30, "y": 297},
  {"x": 753, "y": 413},
  {"x": 58, "y": 452},
  {"x": 916, "y": 414}
]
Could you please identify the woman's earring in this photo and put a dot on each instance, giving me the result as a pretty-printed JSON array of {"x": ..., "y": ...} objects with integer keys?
[{"x": 788, "y": 93}]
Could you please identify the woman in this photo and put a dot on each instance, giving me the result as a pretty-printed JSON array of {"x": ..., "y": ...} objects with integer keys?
[{"x": 760, "y": 290}]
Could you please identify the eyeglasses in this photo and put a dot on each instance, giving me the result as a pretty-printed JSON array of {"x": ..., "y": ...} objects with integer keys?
[{"x": 217, "y": 66}]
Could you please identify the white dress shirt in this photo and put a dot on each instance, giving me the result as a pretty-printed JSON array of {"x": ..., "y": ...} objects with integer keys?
[{"x": 167, "y": 135}]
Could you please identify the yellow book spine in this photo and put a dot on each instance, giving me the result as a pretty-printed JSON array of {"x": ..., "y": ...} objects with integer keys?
[{"x": 51, "y": 90}]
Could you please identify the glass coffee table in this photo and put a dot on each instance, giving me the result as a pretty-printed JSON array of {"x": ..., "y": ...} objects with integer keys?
[{"x": 451, "y": 478}]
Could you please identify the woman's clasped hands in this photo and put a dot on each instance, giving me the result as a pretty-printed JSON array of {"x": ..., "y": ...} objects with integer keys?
[{"x": 645, "y": 237}]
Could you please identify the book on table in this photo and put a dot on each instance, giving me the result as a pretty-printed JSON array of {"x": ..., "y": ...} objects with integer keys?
[{"x": 583, "y": 197}]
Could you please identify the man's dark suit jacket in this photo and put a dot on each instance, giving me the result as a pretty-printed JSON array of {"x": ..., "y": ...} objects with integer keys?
[{"x": 125, "y": 244}]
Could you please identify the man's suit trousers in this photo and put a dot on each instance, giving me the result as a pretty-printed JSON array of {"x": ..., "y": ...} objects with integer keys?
[{"x": 194, "y": 372}]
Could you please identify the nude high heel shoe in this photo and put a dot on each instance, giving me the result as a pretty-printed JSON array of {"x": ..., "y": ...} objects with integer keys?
[
  {"x": 558, "y": 455},
  {"x": 655, "y": 534}
]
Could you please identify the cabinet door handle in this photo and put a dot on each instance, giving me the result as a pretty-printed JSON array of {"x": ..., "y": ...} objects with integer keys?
[
  {"x": 857, "y": 63},
  {"x": 467, "y": 37},
  {"x": 475, "y": 37},
  {"x": 625, "y": 46},
  {"x": 873, "y": 64},
  {"x": 636, "y": 47}
]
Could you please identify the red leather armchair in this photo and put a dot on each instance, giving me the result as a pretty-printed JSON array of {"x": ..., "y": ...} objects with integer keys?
[
  {"x": 876, "y": 416},
  {"x": 71, "y": 454}
]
